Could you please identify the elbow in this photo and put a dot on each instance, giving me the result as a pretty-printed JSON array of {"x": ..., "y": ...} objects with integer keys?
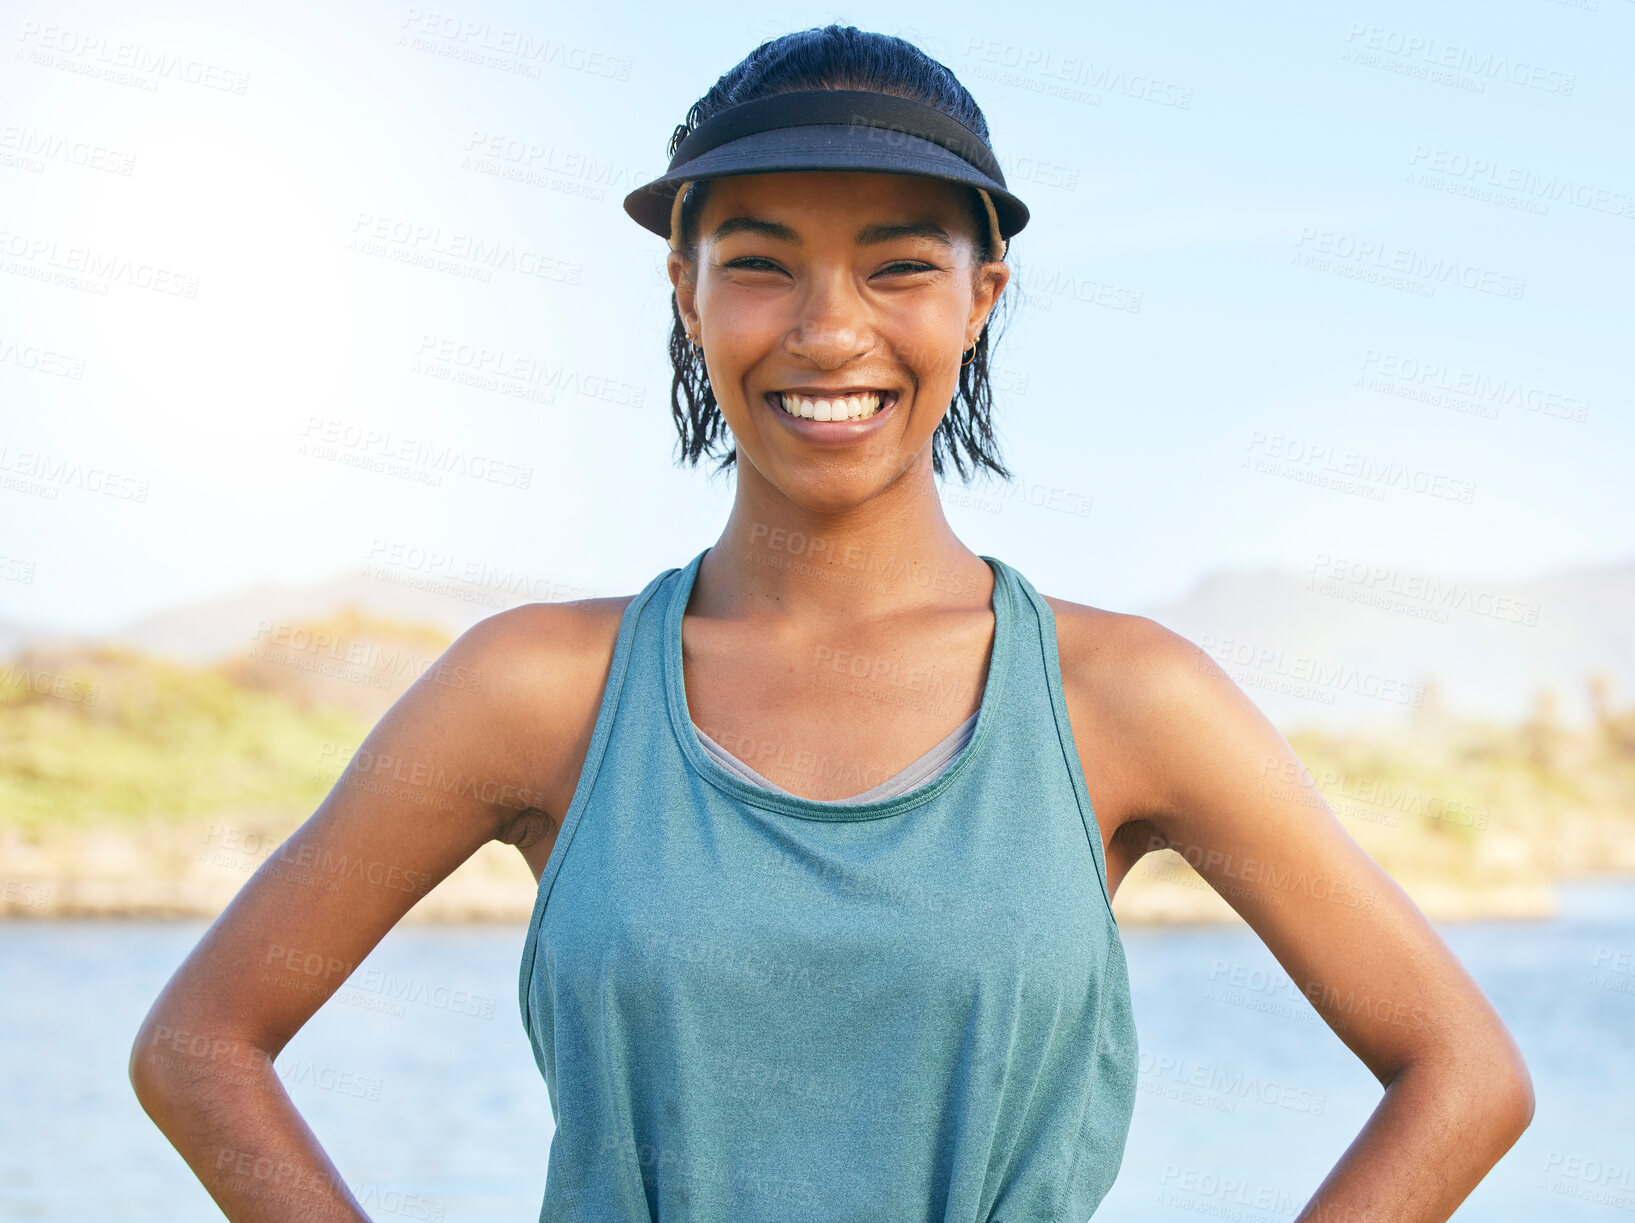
[
  {"x": 1485, "y": 1083},
  {"x": 156, "y": 1067},
  {"x": 1499, "y": 1092},
  {"x": 1514, "y": 1096},
  {"x": 146, "y": 1065}
]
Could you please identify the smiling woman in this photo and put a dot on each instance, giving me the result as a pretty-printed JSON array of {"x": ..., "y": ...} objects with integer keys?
[
  {"x": 826, "y": 334},
  {"x": 895, "y": 110},
  {"x": 827, "y": 823}
]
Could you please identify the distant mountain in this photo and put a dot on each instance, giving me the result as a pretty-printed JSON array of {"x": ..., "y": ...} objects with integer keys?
[
  {"x": 1342, "y": 646},
  {"x": 1345, "y": 645},
  {"x": 210, "y": 629},
  {"x": 15, "y": 636}
]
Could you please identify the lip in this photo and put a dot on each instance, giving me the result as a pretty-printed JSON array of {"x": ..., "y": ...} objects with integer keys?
[{"x": 830, "y": 432}]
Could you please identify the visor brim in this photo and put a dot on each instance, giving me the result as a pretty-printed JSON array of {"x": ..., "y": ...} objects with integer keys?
[{"x": 836, "y": 147}]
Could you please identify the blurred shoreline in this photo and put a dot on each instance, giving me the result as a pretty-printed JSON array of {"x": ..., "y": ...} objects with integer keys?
[
  {"x": 174, "y": 874},
  {"x": 137, "y": 787}
]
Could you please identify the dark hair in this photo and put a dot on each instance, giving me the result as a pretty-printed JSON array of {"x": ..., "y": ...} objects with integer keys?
[{"x": 836, "y": 57}]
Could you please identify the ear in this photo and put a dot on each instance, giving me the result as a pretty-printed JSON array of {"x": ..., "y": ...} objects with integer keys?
[
  {"x": 991, "y": 279},
  {"x": 686, "y": 287}
]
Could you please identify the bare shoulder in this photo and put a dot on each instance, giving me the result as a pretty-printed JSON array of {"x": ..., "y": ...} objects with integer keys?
[
  {"x": 1119, "y": 654},
  {"x": 543, "y": 643},
  {"x": 1136, "y": 693},
  {"x": 538, "y": 657},
  {"x": 542, "y": 669}
]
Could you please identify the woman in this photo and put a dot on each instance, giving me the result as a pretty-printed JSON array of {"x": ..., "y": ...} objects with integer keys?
[{"x": 828, "y": 822}]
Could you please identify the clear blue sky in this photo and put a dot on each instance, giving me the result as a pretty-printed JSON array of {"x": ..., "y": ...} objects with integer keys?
[{"x": 240, "y": 186}]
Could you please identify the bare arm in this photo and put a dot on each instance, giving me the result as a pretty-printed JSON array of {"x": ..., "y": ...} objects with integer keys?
[
  {"x": 1216, "y": 782},
  {"x": 453, "y": 764}
]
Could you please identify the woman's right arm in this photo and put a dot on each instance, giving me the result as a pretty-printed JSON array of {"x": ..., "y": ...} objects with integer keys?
[{"x": 463, "y": 757}]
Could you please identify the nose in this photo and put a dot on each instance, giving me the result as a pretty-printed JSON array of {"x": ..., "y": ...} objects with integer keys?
[{"x": 833, "y": 327}]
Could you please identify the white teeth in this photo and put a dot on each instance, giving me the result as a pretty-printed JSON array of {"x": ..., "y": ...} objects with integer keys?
[{"x": 852, "y": 407}]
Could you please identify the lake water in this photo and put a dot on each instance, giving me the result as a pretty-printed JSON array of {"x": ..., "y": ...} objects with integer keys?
[{"x": 430, "y": 1103}]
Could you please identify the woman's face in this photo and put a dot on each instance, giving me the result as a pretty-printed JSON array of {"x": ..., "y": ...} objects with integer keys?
[{"x": 854, "y": 292}]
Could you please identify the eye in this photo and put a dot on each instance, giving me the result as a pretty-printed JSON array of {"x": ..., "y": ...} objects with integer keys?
[
  {"x": 752, "y": 263},
  {"x": 908, "y": 266}
]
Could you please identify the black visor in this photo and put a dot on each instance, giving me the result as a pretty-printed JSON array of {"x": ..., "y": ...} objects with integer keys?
[{"x": 829, "y": 129}]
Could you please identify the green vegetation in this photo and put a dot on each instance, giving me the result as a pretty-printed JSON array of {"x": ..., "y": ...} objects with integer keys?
[
  {"x": 1478, "y": 802},
  {"x": 119, "y": 771},
  {"x": 113, "y": 738}
]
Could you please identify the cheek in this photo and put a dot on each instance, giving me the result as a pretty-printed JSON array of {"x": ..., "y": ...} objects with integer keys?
[
  {"x": 739, "y": 322},
  {"x": 927, "y": 341}
]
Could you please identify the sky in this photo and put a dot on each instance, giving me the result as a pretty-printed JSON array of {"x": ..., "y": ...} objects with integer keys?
[{"x": 1300, "y": 282}]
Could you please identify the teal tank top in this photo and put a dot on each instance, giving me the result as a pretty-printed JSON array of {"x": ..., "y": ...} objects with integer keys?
[{"x": 748, "y": 1005}]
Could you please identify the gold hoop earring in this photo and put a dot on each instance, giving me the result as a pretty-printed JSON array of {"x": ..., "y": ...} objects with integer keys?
[{"x": 972, "y": 357}]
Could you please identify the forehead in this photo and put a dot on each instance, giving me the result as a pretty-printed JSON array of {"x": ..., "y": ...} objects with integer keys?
[{"x": 815, "y": 198}]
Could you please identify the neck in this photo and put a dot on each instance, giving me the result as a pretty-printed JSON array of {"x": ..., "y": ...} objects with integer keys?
[{"x": 889, "y": 555}]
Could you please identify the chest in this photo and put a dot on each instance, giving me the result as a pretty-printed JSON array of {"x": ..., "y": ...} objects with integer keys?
[
  {"x": 740, "y": 913},
  {"x": 796, "y": 710}
]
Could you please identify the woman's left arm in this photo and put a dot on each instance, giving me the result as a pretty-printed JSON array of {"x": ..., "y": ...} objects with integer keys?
[{"x": 1222, "y": 787}]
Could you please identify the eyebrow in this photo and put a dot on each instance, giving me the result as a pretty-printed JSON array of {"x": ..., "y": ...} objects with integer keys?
[{"x": 869, "y": 235}]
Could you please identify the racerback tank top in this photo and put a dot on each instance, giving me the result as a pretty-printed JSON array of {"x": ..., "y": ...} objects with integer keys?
[{"x": 748, "y": 1005}]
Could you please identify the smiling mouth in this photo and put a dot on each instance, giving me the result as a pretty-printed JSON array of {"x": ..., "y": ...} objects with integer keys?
[{"x": 860, "y": 405}]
